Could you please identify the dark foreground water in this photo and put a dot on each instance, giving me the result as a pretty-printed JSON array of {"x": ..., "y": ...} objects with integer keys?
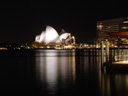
[{"x": 59, "y": 73}]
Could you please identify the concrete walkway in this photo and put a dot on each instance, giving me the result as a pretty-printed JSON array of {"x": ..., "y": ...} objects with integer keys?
[{"x": 121, "y": 62}]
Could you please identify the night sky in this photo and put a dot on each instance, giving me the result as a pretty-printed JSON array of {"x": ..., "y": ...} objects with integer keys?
[{"x": 20, "y": 22}]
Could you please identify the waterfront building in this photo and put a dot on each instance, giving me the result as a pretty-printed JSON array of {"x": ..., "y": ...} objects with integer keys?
[{"x": 112, "y": 29}]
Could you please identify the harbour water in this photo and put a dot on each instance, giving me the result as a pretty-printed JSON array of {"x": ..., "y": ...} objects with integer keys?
[{"x": 59, "y": 73}]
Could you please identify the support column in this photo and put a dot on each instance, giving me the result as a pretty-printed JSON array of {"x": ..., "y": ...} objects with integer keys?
[
  {"x": 107, "y": 52},
  {"x": 102, "y": 54}
]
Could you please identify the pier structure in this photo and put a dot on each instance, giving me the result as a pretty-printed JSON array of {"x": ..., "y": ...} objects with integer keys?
[
  {"x": 104, "y": 53},
  {"x": 115, "y": 58}
]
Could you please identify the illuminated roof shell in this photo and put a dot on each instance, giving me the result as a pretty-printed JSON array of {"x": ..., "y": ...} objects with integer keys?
[
  {"x": 37, "y": 38},
  {"x": 42, "y": 37},
  {"x": 67, "y": 40},
  {"x": 64, "y": 36},
  {"x": 51, "y": 35}
]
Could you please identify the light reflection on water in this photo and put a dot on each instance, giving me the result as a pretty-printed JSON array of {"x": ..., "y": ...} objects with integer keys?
[
  {"x": 60, "y": 73},
  {"x": 80, "y": 72},
  {"x": 54, "y": 67}
]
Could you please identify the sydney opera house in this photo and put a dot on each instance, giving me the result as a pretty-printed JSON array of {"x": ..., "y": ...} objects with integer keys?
[{"x": 51, "y": 39}]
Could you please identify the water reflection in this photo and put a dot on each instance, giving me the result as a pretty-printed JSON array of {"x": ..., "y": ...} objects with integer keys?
[
  {"x": 54, "y": 67},
  {"x": 77, "y": 72},
  {"x": 60, "y": 73},
  {"x": 114, "y": 82}
]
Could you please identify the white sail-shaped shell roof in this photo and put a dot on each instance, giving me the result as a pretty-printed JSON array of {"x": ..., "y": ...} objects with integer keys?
[
  {"x": 37, "y": 38},
  {"x": 42, "y": 37},
  {"x": 51, "y": 35},
  {"x": 68, "y": 40},
  {"x": 64, "y": 36}
]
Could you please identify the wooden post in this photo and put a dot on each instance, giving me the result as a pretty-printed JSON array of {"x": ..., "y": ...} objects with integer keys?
[
  {"x": 118, "y": 52},
  {"x": 102, "y": 54},
  {"x": 107, "y": 52}
]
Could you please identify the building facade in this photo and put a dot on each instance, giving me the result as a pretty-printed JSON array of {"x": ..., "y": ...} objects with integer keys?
[{"x": 105, "y": 27}]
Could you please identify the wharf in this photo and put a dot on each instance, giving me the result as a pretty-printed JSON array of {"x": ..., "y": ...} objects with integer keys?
[{"x": 121, "y": 65}]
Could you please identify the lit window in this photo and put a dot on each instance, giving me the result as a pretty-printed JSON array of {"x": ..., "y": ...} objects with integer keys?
[{"x": 100, "y": 27}]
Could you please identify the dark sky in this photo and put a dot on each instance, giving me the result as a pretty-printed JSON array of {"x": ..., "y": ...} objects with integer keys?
[{"x": 20, "y": 22}]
